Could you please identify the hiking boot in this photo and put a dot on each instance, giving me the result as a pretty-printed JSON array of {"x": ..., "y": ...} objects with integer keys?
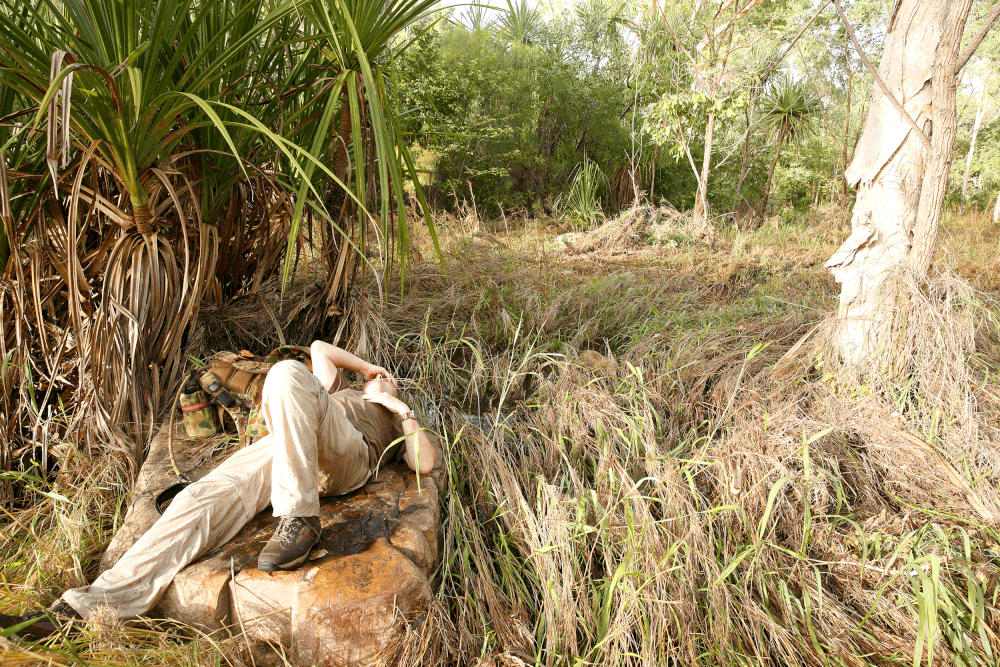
[
  {"x": 45, "y": 621},
  {"x": 291, "y": 543},
  {"x": 62, "y": 609}
]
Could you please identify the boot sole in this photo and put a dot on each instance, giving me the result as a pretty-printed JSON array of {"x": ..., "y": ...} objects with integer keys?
[{"x": 275, "y": 567}]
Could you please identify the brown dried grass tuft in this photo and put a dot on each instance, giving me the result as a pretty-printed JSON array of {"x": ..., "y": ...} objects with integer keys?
[
  {"x": 701, "y": 500},
  {"x": 634, "y": 227},
  {"x": 930, "y": 396}
]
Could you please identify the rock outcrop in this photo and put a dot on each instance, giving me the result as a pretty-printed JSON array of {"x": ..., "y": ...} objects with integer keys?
[{"x": 368, "y": 579}]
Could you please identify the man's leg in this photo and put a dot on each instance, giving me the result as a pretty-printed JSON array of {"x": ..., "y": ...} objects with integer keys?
[
  {"x": 202, "y": 517},
  {"x": 315, "y": 446}
]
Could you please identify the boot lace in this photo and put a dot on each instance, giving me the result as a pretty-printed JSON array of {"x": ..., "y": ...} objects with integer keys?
[{"x": 289, "y": 528}]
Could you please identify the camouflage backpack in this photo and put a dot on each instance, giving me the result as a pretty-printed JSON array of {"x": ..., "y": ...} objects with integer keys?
[{"x": 232, "y": 383}]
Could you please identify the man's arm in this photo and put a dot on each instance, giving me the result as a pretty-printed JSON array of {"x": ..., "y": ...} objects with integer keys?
[
  {"x": 326, "y": 359},
  {"x": 420, "y": 454}
]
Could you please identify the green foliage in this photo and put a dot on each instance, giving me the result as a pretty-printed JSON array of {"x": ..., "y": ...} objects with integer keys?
[
  {"x": 582, "y": 202},
  {"x": 794, "y": 186},
  {"x": 678, "y": 120},
  {"x": 510, "y": 121}
]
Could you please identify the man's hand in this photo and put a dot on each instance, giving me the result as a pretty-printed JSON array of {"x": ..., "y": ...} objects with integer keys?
[
  {"x": 371, "y": 371},
  {"x": 326, "y": 359},
  {"x": 419, "y": 454},
  {"x": 386, "y": 400}
]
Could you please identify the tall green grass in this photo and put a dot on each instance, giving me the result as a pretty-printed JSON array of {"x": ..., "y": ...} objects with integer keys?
[{"x": 591, "y": 524}]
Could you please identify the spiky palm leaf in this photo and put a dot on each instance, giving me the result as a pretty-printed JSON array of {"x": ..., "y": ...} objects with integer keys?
[
  {"x": 360, "y": 125},
  {"x": 792, "y": 108},
  {"x": 521, "y": 23},
  {"x": 476, "y": 18}
]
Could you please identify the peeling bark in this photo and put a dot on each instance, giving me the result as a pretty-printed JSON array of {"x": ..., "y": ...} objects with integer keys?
[{"x": 901, "y": 184}]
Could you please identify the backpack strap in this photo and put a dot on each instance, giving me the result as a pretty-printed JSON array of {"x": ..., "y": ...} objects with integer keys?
[{"x": 215, "y": 388}]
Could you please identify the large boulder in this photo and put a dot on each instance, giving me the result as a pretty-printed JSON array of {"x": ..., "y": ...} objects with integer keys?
[{"x": 351, "y": 601}]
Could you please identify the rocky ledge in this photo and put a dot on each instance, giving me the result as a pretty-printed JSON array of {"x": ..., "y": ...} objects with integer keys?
[{"x": 351, "y": 601}]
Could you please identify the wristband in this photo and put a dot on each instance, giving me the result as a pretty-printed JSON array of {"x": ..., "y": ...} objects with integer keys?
[{"x": 406, "y": 415}]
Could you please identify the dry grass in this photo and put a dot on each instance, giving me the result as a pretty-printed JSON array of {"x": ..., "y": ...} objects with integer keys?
[
  {"x": 969, "y": 243},
  {"x": 651, "y": 464},
  {"x": 714, "y": 495}
]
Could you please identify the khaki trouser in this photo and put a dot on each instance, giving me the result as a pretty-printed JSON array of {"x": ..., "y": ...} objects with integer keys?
[{"x": 306, "y": 428}]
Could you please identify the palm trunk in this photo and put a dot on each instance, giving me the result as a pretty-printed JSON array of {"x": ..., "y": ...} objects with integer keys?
[
  {"x": 770, "y": 173},
  {"x": 142, "y": 217},
  {"x": 343, "y": 140}
]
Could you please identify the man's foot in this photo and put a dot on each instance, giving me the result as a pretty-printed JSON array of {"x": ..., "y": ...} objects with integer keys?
[
  {"x": 42, "y": 622},
  {"x": 291, "y": 543},
  {"x": 62, "y": 609}
]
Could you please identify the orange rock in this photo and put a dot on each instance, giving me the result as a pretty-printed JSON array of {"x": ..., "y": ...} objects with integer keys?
[
  {"x": 365, "y": 582},
  {"x": 335, "y": 611}
]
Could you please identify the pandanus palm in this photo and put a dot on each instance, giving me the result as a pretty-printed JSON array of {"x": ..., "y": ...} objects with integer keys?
[
  {"x": 186, "y": 120},
  {"x": 792, "y": 109},
  {"x": 127, "y": 77},
  {"x": 103, "y": 103},
  {"x": 359, "y": 124}
]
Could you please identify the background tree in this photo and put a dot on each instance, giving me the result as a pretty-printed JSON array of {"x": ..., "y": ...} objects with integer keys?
[
  {"x": 792, "y": 110},
  {"x": 509, "y": 124},
  {"x": 901, "y": 168}
]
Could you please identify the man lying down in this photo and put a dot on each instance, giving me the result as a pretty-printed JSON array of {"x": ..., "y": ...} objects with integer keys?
[{"x": 322, "y": 440}]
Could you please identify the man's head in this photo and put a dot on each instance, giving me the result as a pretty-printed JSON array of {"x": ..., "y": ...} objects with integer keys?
[{"x": 379, "y": 384}]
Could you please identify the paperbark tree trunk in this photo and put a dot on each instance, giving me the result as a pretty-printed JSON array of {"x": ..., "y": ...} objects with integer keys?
[
  {"x": 901, "y": 182},
  {"x": 701, "y": 220},
  {"x": 972, "y": 146}
]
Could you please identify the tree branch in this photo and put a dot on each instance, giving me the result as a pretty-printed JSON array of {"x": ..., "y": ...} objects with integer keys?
[
  {"x": 988, "y": 23},
  {"x": 728, "y": 24},
  {"x": 878, "y": 79},
  {"x": 795, "y": 39}
]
